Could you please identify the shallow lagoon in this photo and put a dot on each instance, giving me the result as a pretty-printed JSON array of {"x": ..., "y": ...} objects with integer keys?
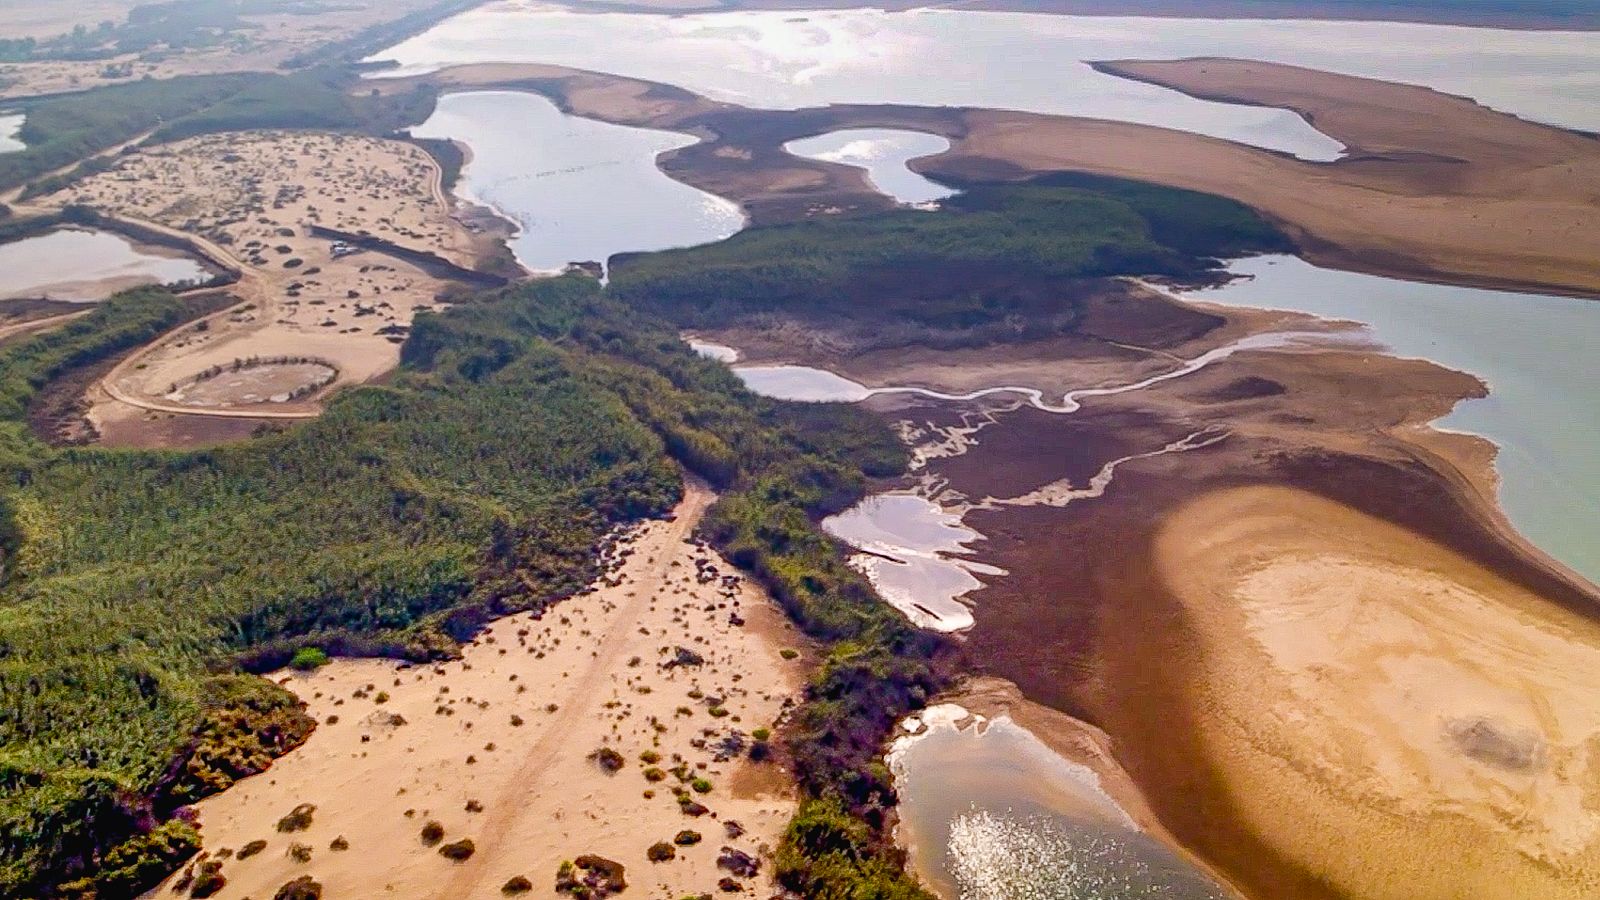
[
  {"x": 85, "y": 266},
  {"x": 786, "y": 60},
  {"x": 1536, "y": 353},
  {"x": 991, "y": 813},
  {"x": 883, "y": 153},
  {"x": 911, "y": 550},
  {"x": 579, "y": 190},
  {"x": 939, "y": 57},
  {"x": 10, "y": 129}
]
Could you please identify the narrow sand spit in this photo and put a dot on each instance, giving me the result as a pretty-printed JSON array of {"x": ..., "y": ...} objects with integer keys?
[
  {"x": 1362, "y": 689},
  {"x": 499, "y": 748}
]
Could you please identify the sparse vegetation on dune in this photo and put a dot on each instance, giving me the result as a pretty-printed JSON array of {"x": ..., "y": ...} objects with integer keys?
[{"x": 520, "y": 428}]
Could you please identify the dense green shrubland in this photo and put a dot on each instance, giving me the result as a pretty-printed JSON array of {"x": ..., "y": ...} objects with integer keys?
[
  {"x": 404, "y": 514},
  {"x": 996, "y": 252}
]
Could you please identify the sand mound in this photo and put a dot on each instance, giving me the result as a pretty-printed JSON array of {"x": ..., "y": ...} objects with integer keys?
[{"x": 1377, "y": 703}]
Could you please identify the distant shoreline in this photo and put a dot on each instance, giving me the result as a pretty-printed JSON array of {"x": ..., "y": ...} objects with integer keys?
[{"x": 1327, "y": 10}]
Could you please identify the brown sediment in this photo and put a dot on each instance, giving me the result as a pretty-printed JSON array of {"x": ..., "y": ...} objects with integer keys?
[
  {"x": 1097, "y": 615},
  {"x": 1436, "y": 188},
  {"x": 1093, "y": 619}
]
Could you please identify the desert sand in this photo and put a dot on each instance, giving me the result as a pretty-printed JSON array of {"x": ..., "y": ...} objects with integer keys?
[
  {"x": 328, "y": 319},
  {"x": 501, "y": 746},
  {"x": 1363, "y": 689}
]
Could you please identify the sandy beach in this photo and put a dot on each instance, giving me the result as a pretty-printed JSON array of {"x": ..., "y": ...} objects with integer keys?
[
  {"x": 1400, "y": 695},
  {"x": 510, "y": 747}
]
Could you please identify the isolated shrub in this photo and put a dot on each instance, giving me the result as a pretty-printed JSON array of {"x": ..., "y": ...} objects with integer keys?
[
  {"x": 432, "y": 833},
  {"x": 298, "y": 819},
  {"x": 308, "y": 658},
  {"x": 458, "y": 850}
]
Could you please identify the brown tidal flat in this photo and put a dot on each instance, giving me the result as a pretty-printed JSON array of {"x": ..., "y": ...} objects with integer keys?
[
  {"x": 1435, "y": 188},
  {"x": 1319, "y": 653},
  {"x": 1316, "y": 654}
]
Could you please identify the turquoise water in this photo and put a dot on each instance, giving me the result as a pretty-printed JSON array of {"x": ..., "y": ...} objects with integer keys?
[
  {"x": 1536, "y": 352},
  {"x": 579, "y": 190}
]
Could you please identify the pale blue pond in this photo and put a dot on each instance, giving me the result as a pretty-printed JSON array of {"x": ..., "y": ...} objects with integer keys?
[
  {"x": 578, "y": 190},
  {"x": 883, "y": 153}
]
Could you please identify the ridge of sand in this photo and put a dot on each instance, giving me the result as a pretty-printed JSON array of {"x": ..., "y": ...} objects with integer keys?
[
  {"x": 587, "y": 675},
  {"x": 1363, "y": 689}
]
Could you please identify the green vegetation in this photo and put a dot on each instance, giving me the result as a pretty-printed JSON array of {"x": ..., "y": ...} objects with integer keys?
[
  {"x": 401, "y": 519},
  {"x": 60, "y": 131},
  {"x": 308, "y": 658},
  {"x": 518, "y": 431},
  {"x": 999, "y": 261}
]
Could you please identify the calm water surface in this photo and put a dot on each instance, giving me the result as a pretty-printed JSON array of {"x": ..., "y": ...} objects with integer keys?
[
  {"x": 1537, "y": 354},
  {"x": 787, "y": 60},
  {"x": 10, "y": 126},
  {"x": 1022, "y": 61},
  {"x": 912, "y": 551},
  {"x": 883, "y": 152},
  {"x": 578, "y": 189},
  {"x": 991, "y": 813},
  {"x": 85, "y": 265}
]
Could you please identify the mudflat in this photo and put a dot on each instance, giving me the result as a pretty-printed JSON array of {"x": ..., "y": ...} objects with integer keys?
[{"x": 1434, "y": 187}]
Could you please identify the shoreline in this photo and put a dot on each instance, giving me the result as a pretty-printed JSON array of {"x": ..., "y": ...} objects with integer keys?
[{"x": 1161, "y": 9}]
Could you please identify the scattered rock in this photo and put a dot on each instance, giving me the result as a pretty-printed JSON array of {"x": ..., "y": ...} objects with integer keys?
[
  {"x": 432, "y": 833},
  {"x": 738, "y": 862},
  {"x": 590, "y": 877},
  {"x": 517, "y": 885}
]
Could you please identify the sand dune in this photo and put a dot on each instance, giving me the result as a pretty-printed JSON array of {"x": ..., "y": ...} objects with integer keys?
[
  {"x": 499, "y": 747},
  {"x": 1366, "y": 689}
]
